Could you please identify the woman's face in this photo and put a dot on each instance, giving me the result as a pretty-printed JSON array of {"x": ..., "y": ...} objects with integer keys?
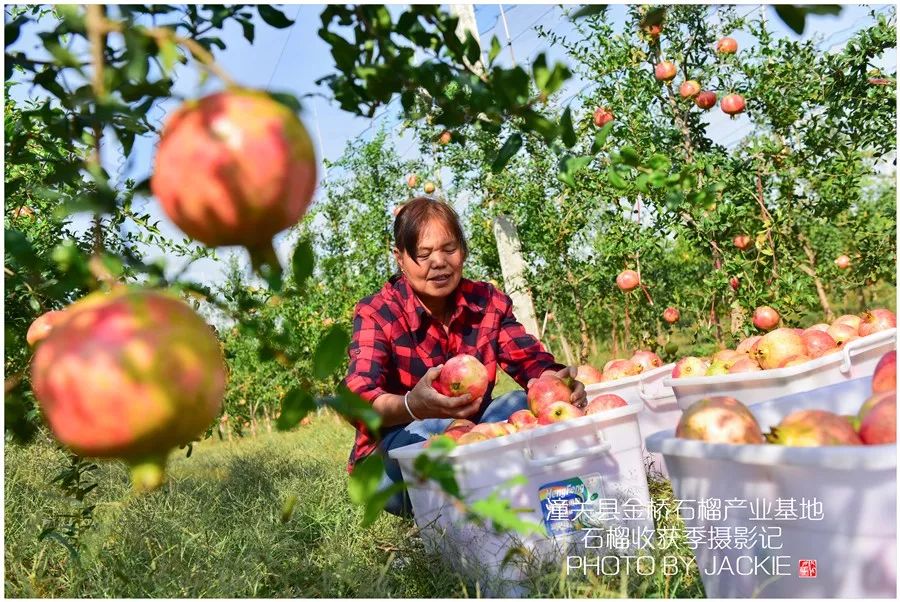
[{"x": 440, "y": 261}]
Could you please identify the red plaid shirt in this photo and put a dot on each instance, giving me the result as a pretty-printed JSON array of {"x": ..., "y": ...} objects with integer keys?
[{"x": 395, "y": 341}]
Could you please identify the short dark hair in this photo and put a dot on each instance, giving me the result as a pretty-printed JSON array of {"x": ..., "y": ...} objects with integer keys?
[{"x": 413, "y": 216}]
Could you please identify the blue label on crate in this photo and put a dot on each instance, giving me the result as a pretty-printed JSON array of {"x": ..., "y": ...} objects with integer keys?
[{"x": 563, "y": 503}]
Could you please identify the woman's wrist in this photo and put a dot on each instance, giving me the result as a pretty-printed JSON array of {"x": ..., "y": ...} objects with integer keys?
[{"x": 409, "y": 409}]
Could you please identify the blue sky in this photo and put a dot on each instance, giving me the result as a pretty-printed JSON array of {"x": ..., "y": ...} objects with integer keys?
[{"x": 292, "y": 59}]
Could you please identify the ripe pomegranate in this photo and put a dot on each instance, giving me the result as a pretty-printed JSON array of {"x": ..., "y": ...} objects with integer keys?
[
  {"x": 795, "y": 360},
  {"x": 628, "y": 280},
  {"x": 733, "y": 104},
  {"x": 472, "y": 437},
  {"x": 602, "y": 116},
  {"x": 850, "y": 320},
  {"x": 647, "y": 360},
  {"x": 653, "y": 30},
  {"x": 747, "y": 344},
  {"x": 813, "y": 428},
  {"x": 871, "y": 402},
  {"x": 412, "y": 180},
  {"x": 462, "y": 374},
  {"x": 41, "y": 327},
  {"x": 842, "y": 262},
  {"x": 820, "y": 326},
  {"x": 689, "y": 89},
  {"x": 24, "y": 211},
  {"x": 235, "y": 168},
  {"x": 778, "y": 346},
  {"x": 746, "y": 364},
  {"x": 588, "y": 375},
  {"x": 671, "y": 315},
  {"x": 765, "y": 318},
  {"x": 689, "y": 367},
  {"x": 705, "y": 99},
  {"x": 726, "y": 46},
  {"x": 428, "y": 188},
  {"x": 842, "y": 333},
  {"x": 879, "y": 426},
  {"x": 741, "y": 241},
  {"x": 523, "y": 420},
  {"x": 716, "y": 368},
  {"x": 601, "y": 403},
  {"x": 131, "y": 374},
  {"x": 818, "y": 343},
  {"x": 734, "y": 283},
  {"x": 885, "y": 376},
  {"x": 445, "y": 137},
  {"x": 544, "y": 391},
  {"x": 719, "y": 420},
  {"x": 728, "y": 357},
  {"x": 876, "y": 320},
  {"x": 621, "y": 369},
  {"x": 664, "y": 71}
]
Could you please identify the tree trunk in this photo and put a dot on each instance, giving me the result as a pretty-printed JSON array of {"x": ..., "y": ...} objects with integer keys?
[
  {"x": 810, "y": 270},
  {"x": 582, "y": 323}
]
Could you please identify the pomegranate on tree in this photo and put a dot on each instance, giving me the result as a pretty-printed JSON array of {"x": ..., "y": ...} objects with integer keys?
[
  {"x": 235, "y": 168},
  {"x": 735, "y": 283},
  {"x": 689, "y": 89},
  {"x": 412, "y": 180},
  {"x": 445, "y": 137},
  {"x": 602, "y": 116},
  {"x": 664, "y": 71},
  {"x": 842, "y": 262},
  {"x": 428, "y": 188},
  {"x": 741, "y": 241},
  {"x": 733, "y": 104},
  {"x": 628, "y": 280},
  {"x": 705, "y": 99},
  {"x": 726, "y": 45},
  {"x": 765, "y": 317},
  {"x": 671, "y": 315},
  {"x": 131, "y": 374}
]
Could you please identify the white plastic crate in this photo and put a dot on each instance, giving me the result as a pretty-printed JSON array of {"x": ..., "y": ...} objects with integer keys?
[
  {"x": 857, "y": 359},
  {"x": 854, "y": 545},
  {"x": 597, "y": 457},
  {"x": 660, "y": 407}
]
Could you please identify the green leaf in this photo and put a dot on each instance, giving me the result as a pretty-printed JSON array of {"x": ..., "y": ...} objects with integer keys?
[
  {"x": 434, "y": 466},
  {"x": 540, "y": 71},
  {"x": 495, "y": 49},
  {"x": 660, "y": 162},
  {"x": 287, "y": 99},
  {"x": 376, "y": 502},
  {"x": 302, "y": 262},
  {"x": 587, "y": 11},
  {"x": 600, "y": 138},
  {"x": 629, "y": 156},
  {"x": 654, "y": 16},
  {"x": 295, "y": 405},
  {"x": 273, "y": 16},
  {"x": 352, "y": 407},
  {"x": 249, "y": 29},
  {"x": 330, "y": 352},
  {"x": 504, "y": 517},
  {"x": 615, "y": 179},
  {"x": 568, "y": 130},
  {"x": 793, "y": 16},
  {"x": 365, "y": 478},
  {"x": 168, "y": 55},
  {"x": 509, "y": 149}
]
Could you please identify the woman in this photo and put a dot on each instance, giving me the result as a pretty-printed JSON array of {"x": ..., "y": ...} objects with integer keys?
[{"x": 422, "y": 317}]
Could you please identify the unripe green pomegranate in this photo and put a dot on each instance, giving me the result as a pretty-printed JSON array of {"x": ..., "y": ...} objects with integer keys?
[
  {"x": 235, "y": 168},
  {"x": 130, "y": 374}
]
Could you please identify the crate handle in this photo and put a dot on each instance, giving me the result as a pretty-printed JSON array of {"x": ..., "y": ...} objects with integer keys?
[
  {"x": 663, "y": 393},
  {"x": 601, "y": 448},
  {"x": 864, "y": 344}
]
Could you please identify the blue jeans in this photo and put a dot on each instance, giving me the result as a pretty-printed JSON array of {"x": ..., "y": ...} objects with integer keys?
[{"x": 497, "y": 411}]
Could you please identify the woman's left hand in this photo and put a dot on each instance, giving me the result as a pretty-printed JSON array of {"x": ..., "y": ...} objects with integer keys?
[{"x": 569, "y": 374}]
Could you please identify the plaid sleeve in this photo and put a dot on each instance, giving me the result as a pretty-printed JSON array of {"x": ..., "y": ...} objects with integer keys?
[
  {"x": 368, "y": 353},
  {"x": 521, "y": 355}
]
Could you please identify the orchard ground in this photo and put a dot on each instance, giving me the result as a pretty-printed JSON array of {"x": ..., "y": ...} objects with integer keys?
[{"x": 216, "y": 529}]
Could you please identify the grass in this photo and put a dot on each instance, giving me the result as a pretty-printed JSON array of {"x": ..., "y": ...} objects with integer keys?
[{"x": 215, "y": 530}]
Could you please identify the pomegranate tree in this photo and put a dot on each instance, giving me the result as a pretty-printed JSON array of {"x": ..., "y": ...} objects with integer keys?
[
  {"x": 130, "y": 374},
  {"x": 235, "y": 168}
]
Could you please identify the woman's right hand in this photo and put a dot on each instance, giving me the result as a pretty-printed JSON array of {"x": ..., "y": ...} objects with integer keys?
[{"x": 426, "y": 402}]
